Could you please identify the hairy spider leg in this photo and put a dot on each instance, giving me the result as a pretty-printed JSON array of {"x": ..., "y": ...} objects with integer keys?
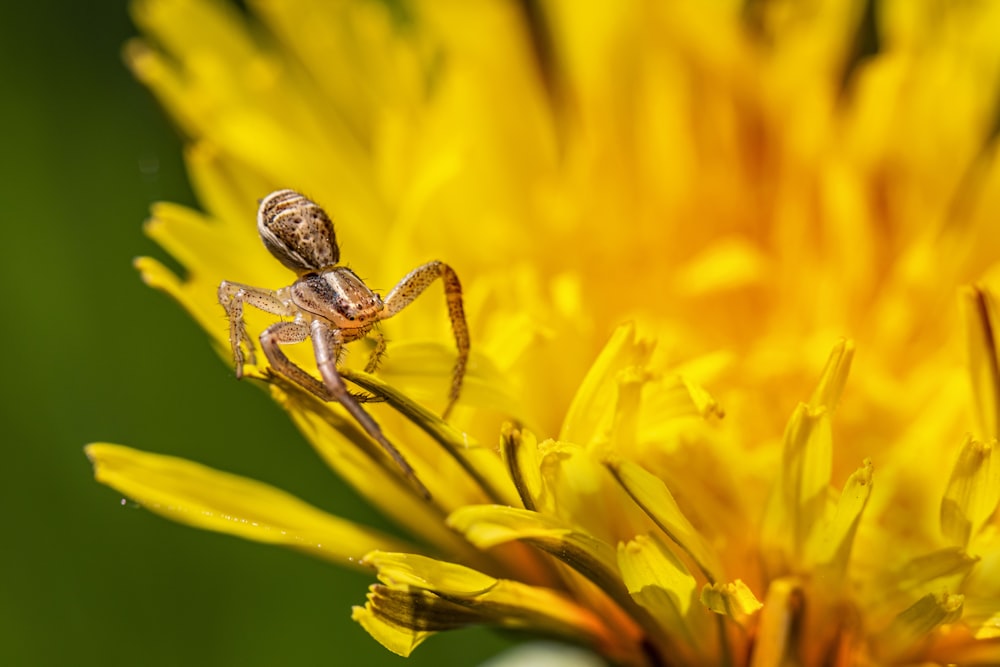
[
  {"x": 289, "y": 333},
  {"x": 376, "y": 356},
  {"x": 232, "y": 296},
  {"x": 327, "y": 344},
  {"x": 410, "y": 287}
]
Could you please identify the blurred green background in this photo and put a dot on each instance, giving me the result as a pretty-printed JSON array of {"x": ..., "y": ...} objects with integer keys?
[{"x": 91, "y": 354}]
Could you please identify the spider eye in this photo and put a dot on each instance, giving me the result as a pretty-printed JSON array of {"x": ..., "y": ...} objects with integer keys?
[{"x": 297, "y": 231}]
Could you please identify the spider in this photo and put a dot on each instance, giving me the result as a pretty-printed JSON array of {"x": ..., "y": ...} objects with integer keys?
[{"x": 331, "y": 305}]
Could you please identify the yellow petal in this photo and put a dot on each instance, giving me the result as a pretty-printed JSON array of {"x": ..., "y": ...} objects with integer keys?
[
  {"x": 401, "y": 619},
  {"x": 519, "y": 450},
  {"x": 384, "y": 67},
  {"x": 779, "y": 620},
  {"x": 734, "y": 600},
  {"x": 834, "y": 376},
  {"x": 655, "y": 499},
  {"x": 402, "y": 570},
  {"x": 799, "y": 505},
  {"x": 198, "y": 496},
  {"x": 481, "y": 465},
  {"x": 832, "y": 546},
  {"x": 226, "y": 188},
  {"x": 489, "y": 525},
  {"x": 728, "y": 264},
  {"x": 347, "y": 449},
  {"x": 915, "y": 624},
  {"x": 657, "y": 580},
  {"x": 973, "y": 491},
  {"x": 502, "y": 602},
  {"x": 578, "y": 488},
  {"x": 799, "y": 499},
  {"x": 981, "y": 615},
  {"x": 658, "y": 410},
  {"x": 920, "y": 576},
  {"x": 982, "y": 321},
  {"x": 704, "y": 403},
  {"x": 398, "y": 638},
  {"x": 422, "y": 370},
  {"x": 806, "y": 469},
  {"x": 214, "y": 77},
  {"x": 591, "y": 413}
]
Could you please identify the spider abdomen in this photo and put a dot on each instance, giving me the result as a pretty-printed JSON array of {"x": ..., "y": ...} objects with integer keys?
[{"x": 297, "y": 231}]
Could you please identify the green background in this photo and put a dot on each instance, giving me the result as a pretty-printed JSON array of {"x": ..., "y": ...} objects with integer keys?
[{"x": 91, "y": 354}]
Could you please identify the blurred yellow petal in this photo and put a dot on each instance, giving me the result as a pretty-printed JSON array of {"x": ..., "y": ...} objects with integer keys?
[
  {"x": 982, "y": 320},
  {"x": 980, "y": 613},
  {"x": 922, "y": 576},
  {"x": 591, "y": 411},
  {"x": 732, "y": 599},
  {"x": 779, "y": 619},
  {"x": 834, "y": 377},
  {"x": 913, "y": 625},
  {"x": 832, "y": 547},
  {"x": 973, "y": 492},
  {"x": 728, "y": 264}
]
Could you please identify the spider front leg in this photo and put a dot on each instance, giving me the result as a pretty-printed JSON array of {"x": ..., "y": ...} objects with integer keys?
[
  {"x": 327, "y": 344},
  {"x": 376, "y": 356},
  {"x": 232, "y": 297},
  {"x": 412, "y": 286},
  {"x": 288, "y": 333}
]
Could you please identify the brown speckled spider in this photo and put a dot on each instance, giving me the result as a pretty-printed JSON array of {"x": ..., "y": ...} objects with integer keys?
[{"x": 331, "y": 305}]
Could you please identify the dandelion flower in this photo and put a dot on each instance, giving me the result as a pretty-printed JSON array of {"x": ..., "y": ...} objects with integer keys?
[{"x": 677, "y": 225}]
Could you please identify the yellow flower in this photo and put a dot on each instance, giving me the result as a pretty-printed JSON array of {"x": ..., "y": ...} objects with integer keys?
[{"x": 665, "y": 216}]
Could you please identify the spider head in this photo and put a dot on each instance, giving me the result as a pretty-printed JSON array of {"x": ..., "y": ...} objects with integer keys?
[{"x": 297, "y": 232}]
